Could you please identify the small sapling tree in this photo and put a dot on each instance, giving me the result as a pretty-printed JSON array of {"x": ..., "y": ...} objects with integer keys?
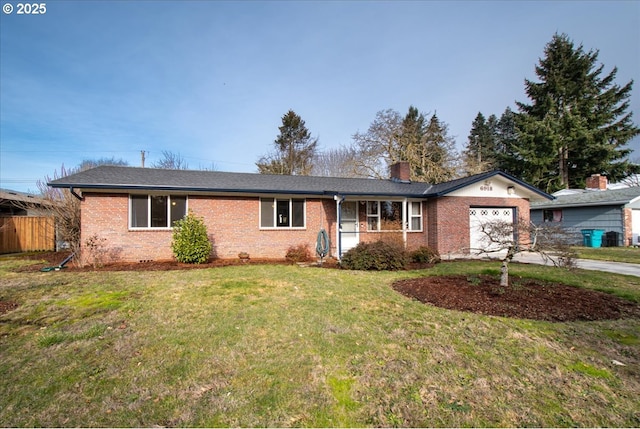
[{"x": 551, "y": 242}]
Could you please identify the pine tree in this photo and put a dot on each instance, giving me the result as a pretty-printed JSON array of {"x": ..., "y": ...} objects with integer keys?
[
  {"x": 295, "y": 149},
  {"x": 578, "y": 122},
  {"x": 507, "y": 158},
  {"x": 438, "y": 163},
  {"x": 479, "y": 154}
]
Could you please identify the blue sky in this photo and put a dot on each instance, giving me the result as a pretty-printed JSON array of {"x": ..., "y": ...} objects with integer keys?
[{"x": 211, "y": 80}]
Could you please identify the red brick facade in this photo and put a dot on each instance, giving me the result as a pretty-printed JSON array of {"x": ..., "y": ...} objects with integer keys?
[
  {"x": 448, "y": 219},
  {"x": 233, "y": 226},
  {"x": 627, "y": 239}
]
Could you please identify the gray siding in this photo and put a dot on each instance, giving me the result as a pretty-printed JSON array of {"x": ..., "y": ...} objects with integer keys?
[{"x": 608, "y": 218}]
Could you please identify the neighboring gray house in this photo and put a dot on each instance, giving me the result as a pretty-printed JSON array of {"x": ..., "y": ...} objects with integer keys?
[{"x": 616, "y": 211}]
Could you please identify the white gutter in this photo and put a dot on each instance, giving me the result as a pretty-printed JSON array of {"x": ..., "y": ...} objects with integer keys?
[
  {"x": 338, "y": 199},
  {"x": 404, "y": 222}
]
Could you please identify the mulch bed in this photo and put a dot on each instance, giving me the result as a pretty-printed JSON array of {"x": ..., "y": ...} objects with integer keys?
[
  {"x": 55, "y": 258},
  {"x": 525, "y": 298}
]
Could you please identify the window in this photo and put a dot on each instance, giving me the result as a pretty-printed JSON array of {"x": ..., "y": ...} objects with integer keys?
[
  {"x": 415, "y": 216},
  {"x": 282, "y": 213},
  {"x": 388, "y": 216},
  {"x": 373, "y": 219},
  {"x": 156, "y": 211},
  {"x": 552, "y": 215}
]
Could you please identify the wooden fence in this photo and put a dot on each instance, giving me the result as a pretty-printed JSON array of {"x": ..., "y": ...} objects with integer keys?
[{"x": 26, "y": 234}]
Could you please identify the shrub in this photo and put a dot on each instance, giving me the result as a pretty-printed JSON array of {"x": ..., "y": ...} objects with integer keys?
[
  {"x": 300, "y": 253},
  {"x": 190, "y": 243},
  {"x": 94, "y": 251},
  {"x": 378, "y": 255},
  {"x": 425, "y": 255}
]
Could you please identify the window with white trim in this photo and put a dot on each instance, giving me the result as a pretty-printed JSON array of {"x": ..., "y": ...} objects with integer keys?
[
  {"x": 415, "y": 215},
  {"x": 282, "y": 213},
  {"x": 156, "y": 211},
  {"x": 388, "y": 216}
]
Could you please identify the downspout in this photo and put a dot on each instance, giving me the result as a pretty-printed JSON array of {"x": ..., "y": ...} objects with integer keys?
[
  {"x": 339, "y": 199},
  {"x": 405, "y": 224},
  {"x": 73, "y": 192}
]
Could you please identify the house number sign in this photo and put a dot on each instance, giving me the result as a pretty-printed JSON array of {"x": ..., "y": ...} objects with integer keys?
[{"x": 486, "y": 187}]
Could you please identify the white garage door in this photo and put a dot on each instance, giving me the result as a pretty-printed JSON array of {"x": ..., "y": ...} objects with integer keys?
[{"x": 481, "y": 215}]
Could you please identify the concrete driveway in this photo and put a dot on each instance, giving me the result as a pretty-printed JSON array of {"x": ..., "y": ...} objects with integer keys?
[{"x": 586, "y": 264}]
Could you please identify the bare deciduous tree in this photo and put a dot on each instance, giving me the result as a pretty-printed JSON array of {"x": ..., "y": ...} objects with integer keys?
[
  {"x": 339, "y": 162},
  {"x": 171, "y": 161},
  {"x": 552, "y": 242},
  {"x": 424, "y": 144},
  {"x": 377, "y": 147}
]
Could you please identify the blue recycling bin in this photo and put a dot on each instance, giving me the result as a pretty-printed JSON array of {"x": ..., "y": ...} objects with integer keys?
[{"x": 592, "y": 237}]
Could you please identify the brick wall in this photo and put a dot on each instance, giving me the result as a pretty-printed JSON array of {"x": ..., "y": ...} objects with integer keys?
[
  {"x": 627, "y": 239},
  {"x": 232, "y": 224},
  {"x": 448, "y": 220}
]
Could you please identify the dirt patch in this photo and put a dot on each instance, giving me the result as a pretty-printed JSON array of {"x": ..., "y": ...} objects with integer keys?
[
  {"x": 526, "y": 298},
  {"x": 7, "y": 306}
]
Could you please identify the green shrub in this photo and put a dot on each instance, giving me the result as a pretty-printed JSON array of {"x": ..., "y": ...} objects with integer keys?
[
  {"x": 425, "y": 255},
  {"x": 300, "y": 253},
  {"x": 190, "y": 243},
  {"x": 378, "y": 255}
]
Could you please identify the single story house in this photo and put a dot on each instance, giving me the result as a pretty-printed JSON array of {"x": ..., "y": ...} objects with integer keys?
[
  {"x": 615, "y": 211},
  {"x": 132, "y": 209},
  {"x": 14, "y": 203},
  {"x": 26, "y": 223}
]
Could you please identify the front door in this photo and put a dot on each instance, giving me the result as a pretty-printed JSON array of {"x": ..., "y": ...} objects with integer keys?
[{"x": 349, "y": 236}]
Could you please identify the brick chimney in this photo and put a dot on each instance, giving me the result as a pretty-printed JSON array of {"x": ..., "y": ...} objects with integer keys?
[
  {"x": 401, "y": 172},
  {"x": 597, "y": 181}
]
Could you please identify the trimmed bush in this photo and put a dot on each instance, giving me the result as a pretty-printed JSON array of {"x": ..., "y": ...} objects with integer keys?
[
  {"x": 300, "y": 253},
  {"x": 425, "y": 255},
  {"x": 378, "y": 255},
  {"x": 190, "y": 243}
]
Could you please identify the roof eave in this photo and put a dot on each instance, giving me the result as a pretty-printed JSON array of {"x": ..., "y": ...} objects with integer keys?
[
  {"x": 488, "y": 175},
  {"x": 168, "y": 188},
  {"x": 578, "y": 205}
]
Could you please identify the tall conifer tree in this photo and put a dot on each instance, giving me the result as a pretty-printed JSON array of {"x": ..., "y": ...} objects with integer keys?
[
  {"x": 295, "y": 149},
  {"x": 577, "y": 123}
]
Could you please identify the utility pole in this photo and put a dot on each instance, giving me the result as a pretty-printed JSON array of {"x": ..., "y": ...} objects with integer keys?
[{"x": 142, "y": 157}]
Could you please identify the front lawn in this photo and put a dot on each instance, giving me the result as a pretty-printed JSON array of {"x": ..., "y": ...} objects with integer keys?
[
  {"x": 264, "y": 345},
  {"x": 616, "y": 254}
]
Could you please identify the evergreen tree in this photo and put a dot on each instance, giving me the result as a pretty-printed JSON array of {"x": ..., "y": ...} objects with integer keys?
[
  {"x": 479, "y": 154},
  {"x": 295, "y": 149},
  {"x": 439, "y": 161},
  {"x": 577, "y": 123},
  {"x": 507, "y": 158}
]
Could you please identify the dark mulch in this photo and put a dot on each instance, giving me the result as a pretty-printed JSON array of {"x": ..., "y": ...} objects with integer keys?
[{"x": 525, "y": 298}]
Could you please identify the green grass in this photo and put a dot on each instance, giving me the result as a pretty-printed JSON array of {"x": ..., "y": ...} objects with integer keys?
[
  {"x": 615, "y": 254},
  {"x": 289, "y": 346}
]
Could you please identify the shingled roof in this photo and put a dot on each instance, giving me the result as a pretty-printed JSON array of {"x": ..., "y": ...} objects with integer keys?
[
  {"x": 611, "y": 197},
  {"x": 135, "y": 178}
]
